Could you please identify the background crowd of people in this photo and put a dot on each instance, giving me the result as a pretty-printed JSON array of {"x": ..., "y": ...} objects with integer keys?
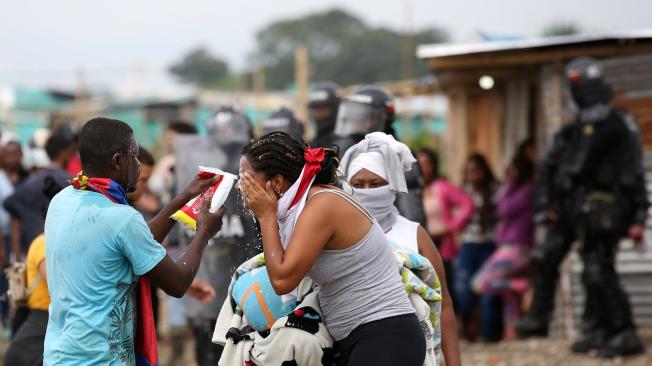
[
  {"x": 482, "y": 227},
  {"x": 482, "y": 214},
  {"x": 493, "y": 222}
]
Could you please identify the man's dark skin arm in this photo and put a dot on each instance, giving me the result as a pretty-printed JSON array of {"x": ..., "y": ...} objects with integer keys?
[
  {"x": 175, "y": 277},
  {"x": 161, "y": 224}
]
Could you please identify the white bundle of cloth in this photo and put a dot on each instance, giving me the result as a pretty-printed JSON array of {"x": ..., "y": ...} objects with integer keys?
[{"x": 300, "y": 337}]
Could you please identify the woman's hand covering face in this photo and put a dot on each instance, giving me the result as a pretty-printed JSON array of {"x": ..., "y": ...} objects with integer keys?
[{"x": 261, "y": 200}]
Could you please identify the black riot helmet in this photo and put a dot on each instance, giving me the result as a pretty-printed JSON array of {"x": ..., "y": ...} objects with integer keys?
[
  {"x": 369, "y": 109},
  {"x": 323, "y": 103},
  {"x": 587, "y": 84},
  {"x": 227, "y": 126},
  {"x": 283, "y": 120}
]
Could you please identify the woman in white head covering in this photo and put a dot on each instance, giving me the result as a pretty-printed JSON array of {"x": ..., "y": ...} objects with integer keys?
[{"x": 375, "y": 169}]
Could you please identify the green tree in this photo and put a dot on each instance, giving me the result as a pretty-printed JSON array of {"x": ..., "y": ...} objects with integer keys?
[
  {"x": 201, "y": 68},
  {"x": 561, "y": 28},
  {"x": 341, "y": 46},
  {"x": 322, "y": 33}
]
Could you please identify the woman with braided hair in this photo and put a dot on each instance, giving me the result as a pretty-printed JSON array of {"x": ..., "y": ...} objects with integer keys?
[{"x": 310, "y": 227}]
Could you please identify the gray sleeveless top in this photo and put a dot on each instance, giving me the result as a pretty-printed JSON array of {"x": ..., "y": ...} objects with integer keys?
[{"x": 359, "y": 284}]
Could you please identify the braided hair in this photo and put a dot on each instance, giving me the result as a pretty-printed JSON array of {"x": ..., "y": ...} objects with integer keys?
[{"x": 279, "y": 153}]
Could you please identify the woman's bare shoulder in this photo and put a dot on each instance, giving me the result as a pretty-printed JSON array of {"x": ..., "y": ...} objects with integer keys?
[
  {"x": 326, "y": 196},
  {"x": 336, "y": 213},
  {"x": 323, "y": 188}
]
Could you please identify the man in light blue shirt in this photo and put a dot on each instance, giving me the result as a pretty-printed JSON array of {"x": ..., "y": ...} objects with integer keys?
[{"x": 96, "y": 249}]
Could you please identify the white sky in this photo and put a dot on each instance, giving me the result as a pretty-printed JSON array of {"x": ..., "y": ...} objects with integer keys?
[{"x": 122, "y": 42}]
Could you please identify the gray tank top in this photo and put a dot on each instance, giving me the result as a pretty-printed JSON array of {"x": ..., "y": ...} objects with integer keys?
[{"x": 359, "y": 284}]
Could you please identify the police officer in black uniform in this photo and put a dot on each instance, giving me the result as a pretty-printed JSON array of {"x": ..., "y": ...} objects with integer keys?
[
  {"x": 592, "y": 190},
  {"x": 370, "y": 109},
  {"x": 228, "y": 131},
  {"x": 323, "y": 103}
]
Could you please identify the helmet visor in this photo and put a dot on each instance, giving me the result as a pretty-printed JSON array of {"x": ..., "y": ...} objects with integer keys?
[
  {"x": 359, "y": 118},
  {"x": 228, "y": 127},
  {"x": 282, "y": 124}
]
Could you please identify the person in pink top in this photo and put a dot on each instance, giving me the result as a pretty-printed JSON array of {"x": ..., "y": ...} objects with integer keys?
[{"x": 447, "y": 208}]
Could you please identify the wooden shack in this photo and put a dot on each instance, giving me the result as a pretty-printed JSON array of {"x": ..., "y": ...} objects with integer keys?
[{"x": 524, "y": 93}]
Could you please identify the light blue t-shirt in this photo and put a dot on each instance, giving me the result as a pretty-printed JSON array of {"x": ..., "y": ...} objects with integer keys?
[{"x": 95, "y": 251}]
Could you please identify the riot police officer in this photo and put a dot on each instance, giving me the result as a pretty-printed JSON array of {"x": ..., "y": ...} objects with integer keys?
[
  {"x": 283, "y": 120},
  {"x": 228, "y": 131},
  {"x": 323, "y": 103},
  {"x": 370, "y": 109},
  {"x": 592, "y": 189}
]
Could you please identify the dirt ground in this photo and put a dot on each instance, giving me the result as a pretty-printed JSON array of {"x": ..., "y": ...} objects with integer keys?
[
  {"x": 535, "y": 352},
  {"x": 543, "y": 352}
]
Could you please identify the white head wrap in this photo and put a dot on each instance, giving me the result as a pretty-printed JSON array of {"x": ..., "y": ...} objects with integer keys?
[
  {"x": 373, "y": 161},
  {"x": 382, "y": 155}
]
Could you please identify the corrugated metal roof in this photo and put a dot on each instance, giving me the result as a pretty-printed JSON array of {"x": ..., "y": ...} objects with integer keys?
[{"x": 459, "y": 49}]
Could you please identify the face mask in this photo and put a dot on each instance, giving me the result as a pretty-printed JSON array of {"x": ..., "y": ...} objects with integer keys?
[{"x": 380, "y": 204}]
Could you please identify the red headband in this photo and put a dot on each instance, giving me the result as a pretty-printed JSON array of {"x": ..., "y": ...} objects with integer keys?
[{"x": 314, "y": 158}]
